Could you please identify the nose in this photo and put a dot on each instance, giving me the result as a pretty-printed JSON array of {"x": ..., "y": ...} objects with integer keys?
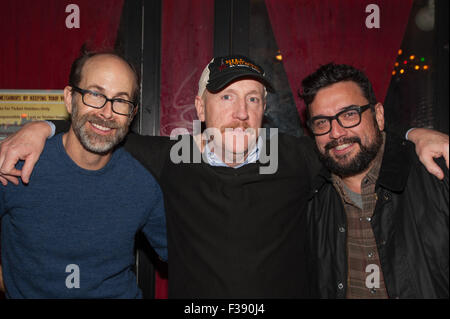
[
  {"x": 337, "y": 130},
  {"x": 241, "y": 111},
  {"x": 106, "y": 111}
]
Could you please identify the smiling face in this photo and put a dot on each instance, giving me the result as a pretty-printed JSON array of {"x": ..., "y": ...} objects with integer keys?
[
  {"x": 99, "y": 130},
  {"x": 236, "y": 112},
  {"x": 347, "y": 151}
]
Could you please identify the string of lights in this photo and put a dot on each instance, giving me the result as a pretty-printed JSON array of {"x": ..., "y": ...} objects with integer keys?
[{"x": 409, "y": 62}]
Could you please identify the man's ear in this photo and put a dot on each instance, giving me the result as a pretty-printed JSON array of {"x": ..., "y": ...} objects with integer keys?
[
  {"x": 68, "y": 98},
  {"x": 379, "y": 115},
  {"x": 133, "y": 114},
  {"x": 200, "y": 107}
]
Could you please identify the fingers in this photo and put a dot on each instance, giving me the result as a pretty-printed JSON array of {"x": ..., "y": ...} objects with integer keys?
[
  {"x": 8, "y": 171},
  {"x": 4, "y": 181},
  {"x": 445, "y": 154},
  {"x": 25, "y": 144},
  {"x": 8, "y": 167},
  {"x": 12, "y": 179},
  {"x": 432, "y": 167},
  {"x": 28, "y": 167},
  {"x": 2, "y": 152}
]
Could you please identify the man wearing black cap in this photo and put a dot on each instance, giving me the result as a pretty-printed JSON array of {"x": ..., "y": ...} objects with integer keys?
[
  {"x": 231, "y": 101},
  {"x": 233, "y": 231}
]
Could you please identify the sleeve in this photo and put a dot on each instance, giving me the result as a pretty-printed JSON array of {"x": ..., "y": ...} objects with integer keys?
[
  {"x": 444, "y": 185},
  {"x": 53, "y": 128},
  {"x": 61, "y": 126},
  {"x": 400, "y": 132},
  {"x": 155, "y": 227},
  {"x": 151, "y": 151}
]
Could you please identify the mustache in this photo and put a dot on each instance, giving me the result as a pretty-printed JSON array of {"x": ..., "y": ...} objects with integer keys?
[{"x": 345, "y": 140}]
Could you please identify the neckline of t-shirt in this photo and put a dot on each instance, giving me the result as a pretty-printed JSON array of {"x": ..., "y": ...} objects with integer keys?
[{"x": 69, "y": 162}]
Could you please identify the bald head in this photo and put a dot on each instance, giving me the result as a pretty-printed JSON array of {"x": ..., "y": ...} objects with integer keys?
[{"x": 115, "y": 70}]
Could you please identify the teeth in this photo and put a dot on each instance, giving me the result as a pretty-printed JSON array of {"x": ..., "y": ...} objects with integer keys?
[
  {"x": 102, "y": 128},
  {"x": 235, "y": 130},
  {"x": 341, "y": 147}
]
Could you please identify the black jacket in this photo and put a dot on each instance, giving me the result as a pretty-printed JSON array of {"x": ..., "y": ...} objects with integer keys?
[{"x": 410, "y": 224}]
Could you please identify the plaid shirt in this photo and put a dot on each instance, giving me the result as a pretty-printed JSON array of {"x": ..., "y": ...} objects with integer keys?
[{"x": 362, "y": 252}]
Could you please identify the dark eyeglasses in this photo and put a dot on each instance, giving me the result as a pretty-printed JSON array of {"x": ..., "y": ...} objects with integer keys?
[
  {"x": 347, "y": 118},
  {"x": 98, "y": 100}
]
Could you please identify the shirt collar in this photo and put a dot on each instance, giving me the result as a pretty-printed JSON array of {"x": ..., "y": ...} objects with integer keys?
[{"x": 252, "y": 157}]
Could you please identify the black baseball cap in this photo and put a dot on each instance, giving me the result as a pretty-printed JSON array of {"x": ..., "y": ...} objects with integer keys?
[{"x": 221, "y": 71}]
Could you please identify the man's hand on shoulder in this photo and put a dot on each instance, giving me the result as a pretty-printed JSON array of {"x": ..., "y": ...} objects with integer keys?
[
  {"x": 431, "y": 144},
  {"x": 26, "y": 144}
]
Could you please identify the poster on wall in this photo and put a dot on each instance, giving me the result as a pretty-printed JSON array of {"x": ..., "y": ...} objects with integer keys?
[{"x": 18, "y": 107}]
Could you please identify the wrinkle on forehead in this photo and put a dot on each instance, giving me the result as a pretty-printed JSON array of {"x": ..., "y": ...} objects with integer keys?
[{"x": 336, "y": 97}]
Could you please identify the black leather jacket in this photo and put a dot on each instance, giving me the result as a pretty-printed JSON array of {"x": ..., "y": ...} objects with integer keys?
[{"x": 410, "y": 224}]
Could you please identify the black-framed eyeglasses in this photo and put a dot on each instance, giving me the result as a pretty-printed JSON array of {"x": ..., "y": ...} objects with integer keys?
[
  {"x": 347, "y": 118},
  {"x": 98, "y": 100}
]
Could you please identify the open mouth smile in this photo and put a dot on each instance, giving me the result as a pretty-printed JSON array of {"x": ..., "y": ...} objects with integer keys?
[{"x": 101, "y": 129}]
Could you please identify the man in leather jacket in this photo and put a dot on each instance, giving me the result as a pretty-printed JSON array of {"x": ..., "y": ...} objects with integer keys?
[{"x": 377, "y": 220}]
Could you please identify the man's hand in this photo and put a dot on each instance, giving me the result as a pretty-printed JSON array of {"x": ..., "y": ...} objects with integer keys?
[
  {"x": 26, "y": 144},
  {"x": 430, "y": 144}
]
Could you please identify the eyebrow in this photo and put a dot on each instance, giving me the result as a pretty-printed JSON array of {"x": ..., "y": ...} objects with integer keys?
[
  {"x": 255, "y": 92},
  {"x": 348, "y": 107},
  {"x": 345, "y": 108},
  {"x": 102, "y": 90},
  {"x": 234, "y": 91}
]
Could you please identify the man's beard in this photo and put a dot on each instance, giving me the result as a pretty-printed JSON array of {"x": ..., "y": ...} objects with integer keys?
[
  {"x": 359, "y": 163},
  {"x": 91, "y": 141}
]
